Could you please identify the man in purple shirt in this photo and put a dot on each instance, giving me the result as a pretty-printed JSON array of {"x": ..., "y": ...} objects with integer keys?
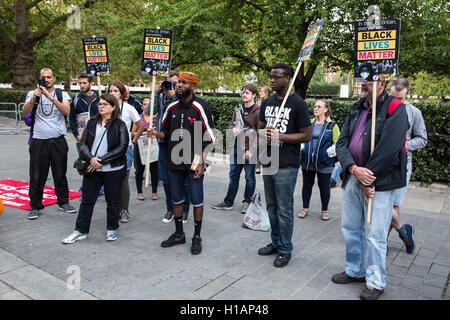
[{"x": 370, "y": 175}]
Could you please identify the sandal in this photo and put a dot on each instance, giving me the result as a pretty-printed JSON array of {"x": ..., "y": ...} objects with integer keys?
[
  {"x": 303, "y": 213},
  {"x": 325, "y": 216}
]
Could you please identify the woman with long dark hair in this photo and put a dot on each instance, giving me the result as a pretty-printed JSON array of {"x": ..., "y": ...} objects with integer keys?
[{"x": 103, "y": 146}]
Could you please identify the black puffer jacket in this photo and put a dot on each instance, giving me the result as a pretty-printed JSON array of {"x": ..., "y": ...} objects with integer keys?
[
  {"x": 118, "y": 141},
  {"x": 388, "y": 160}
]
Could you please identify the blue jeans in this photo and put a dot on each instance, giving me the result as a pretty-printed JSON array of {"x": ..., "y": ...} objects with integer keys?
[
  {"x": 279, "y": 192},
  {"x": 358, "y": 233},
  {"x": 163, "y": 159},
  {"x": 235, "y": 174},
  {"x": 336, "y": 172},
  {"x": 178, "y": 179}
]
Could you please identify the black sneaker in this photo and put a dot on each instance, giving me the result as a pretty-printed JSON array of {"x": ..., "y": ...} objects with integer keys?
[
  {"x": 343, "y": 278},
  {"x": 168, "y": 217},
  {"x": 33, "y": 214},
  {"x": 370, "y": 294},
  {"x": 282, "y": 260},
  {"x": 196, "y": 245},
  {"x": 173, "y": 240},
  {"x": 408, "y": 240},
  {"x": 67, "y": 208},
  {"x": 221, "y": 206},
  {"x": 267, "y": 250}
]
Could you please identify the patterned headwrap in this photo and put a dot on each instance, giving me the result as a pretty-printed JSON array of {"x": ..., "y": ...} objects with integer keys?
[{"x": 189, "y": 76}]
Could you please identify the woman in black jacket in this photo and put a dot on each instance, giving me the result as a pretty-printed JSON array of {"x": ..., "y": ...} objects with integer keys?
[{"x": 103, "y": 146}]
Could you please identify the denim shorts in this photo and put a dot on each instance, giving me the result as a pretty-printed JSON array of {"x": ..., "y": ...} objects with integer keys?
[
  {"x": 399, "y": 194},
  {"x": 177, "y": 180}
]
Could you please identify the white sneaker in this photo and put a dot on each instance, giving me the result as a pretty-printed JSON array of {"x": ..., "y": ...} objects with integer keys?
[
  {"x": 74, "y": 236},
  {"x": 111, "y": 235}
]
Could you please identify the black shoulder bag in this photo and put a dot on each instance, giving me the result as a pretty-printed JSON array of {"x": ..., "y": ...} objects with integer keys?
[{"x": 82, "y": 165}]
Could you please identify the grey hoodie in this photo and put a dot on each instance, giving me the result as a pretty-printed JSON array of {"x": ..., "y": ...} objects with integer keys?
[{"x": 416, "y": 136}]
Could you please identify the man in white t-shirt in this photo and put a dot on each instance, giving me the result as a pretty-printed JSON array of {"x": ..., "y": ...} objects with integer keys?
[{"x": 48, "y": 148}]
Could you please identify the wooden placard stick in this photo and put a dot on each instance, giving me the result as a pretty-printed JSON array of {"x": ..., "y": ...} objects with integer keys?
[
  {"x": 149, "y": 141},
  {"x": 99, "y": 84},
  {"x": 372, "y": 141}
]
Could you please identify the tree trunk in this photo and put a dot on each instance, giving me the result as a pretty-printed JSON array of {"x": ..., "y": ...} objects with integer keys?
[
  {"x": 22, "y": 68},
  {"x": 67, "y": 84},
  {"x": 302, "y": 81}
]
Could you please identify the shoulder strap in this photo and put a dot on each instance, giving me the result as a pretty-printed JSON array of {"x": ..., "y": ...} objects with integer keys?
[
  {"x": 101, "y": 139},
  {"x": 393, "y": 105},
  {"x": 59, "y": 94},
  {"x": 76, "y": 99}
]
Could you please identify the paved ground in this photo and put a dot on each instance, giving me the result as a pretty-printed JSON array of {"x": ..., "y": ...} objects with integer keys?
[{"x": 34, "y": 264}]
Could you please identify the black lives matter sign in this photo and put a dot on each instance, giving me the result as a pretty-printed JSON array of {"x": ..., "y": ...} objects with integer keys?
[
  {"x": 96, "y": 56},
  {"x": 377, "y": 50},
  {"x": 157, "y": 52}
]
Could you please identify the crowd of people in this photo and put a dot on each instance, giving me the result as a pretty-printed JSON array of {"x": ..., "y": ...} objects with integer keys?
[{"x": 111, "y": 131}]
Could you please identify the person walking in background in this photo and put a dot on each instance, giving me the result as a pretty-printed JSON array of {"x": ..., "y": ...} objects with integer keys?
[
  {"x": 129, "y": 115},
  {"x": 139, "y": 163},
  {"x": 315, "y": 160},
  {"x": 243, "y": 155},
  {"x": 103, "y": 146},
  {"x": 416, "y": 138}
]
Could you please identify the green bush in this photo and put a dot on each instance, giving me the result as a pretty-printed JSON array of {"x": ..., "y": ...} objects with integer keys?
[{"x": 430, "y": 164}]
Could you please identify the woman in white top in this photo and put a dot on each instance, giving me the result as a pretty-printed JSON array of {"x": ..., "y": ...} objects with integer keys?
[{"x": 129, "y": 115}]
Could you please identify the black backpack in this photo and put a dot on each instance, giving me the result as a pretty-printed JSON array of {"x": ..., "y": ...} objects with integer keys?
[{"x": 59, "y": 96}]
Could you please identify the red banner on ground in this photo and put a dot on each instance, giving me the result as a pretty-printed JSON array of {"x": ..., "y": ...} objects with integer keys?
[{"x": 14, "y": 194}]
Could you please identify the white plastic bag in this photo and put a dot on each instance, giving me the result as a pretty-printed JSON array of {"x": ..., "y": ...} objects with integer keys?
[
  {"x": 256, "y": 217},
  {"x": 331, "y": 151}
]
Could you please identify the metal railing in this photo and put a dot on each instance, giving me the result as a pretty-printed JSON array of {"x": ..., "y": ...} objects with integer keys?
[{"x": 15, "y": 112}]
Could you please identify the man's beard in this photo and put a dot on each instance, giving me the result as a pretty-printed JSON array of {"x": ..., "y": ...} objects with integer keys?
[
  {"x": 86, "y": 90},
  {"x": 184, "y": 95}
]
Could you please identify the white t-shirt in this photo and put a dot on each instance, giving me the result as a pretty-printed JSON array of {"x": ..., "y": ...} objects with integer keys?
[
  {"x": 49, "y": 121},
  {"x": 102, "y": 145},
  {"x": 129, "y": 115}
]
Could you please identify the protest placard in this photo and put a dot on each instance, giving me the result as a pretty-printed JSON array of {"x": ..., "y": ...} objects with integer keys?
[
  {"x": 377, "y": 50},
  {"x": 156, "y": 52},
  {"x": 310, "y": 40},
  {"x": 96, "y": 55}
]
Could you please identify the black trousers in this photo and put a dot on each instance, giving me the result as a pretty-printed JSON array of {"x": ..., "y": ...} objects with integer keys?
[
  {"x": 140, "y": 168},
  {"x": 112, "y": 182},
  {"x": 323, "y": 180},
  {"x": 46, "y": 153}
]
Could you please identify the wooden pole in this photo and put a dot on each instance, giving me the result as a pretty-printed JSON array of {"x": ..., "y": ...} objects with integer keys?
[
  {"x": 99, "y": 84},
  {"x": 149, "y": 141},
  {"x": 372, "y": 142}
]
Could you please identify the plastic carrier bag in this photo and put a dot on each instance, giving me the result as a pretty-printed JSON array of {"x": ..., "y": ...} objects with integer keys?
[{"x": 256, "y": 217}]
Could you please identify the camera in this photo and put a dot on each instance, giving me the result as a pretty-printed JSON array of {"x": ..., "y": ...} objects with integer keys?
[
  {"x": 42, "y": 82},
  {"x": 168, "y": 85}
]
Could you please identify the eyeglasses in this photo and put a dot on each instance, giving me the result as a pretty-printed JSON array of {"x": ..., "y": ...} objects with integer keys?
[
  {"x": 271, "y": 77},
  {"x": 104, "y": 104}
]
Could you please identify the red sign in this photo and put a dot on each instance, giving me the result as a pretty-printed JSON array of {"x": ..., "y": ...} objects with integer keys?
[{"x": 14, "y": 194}]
